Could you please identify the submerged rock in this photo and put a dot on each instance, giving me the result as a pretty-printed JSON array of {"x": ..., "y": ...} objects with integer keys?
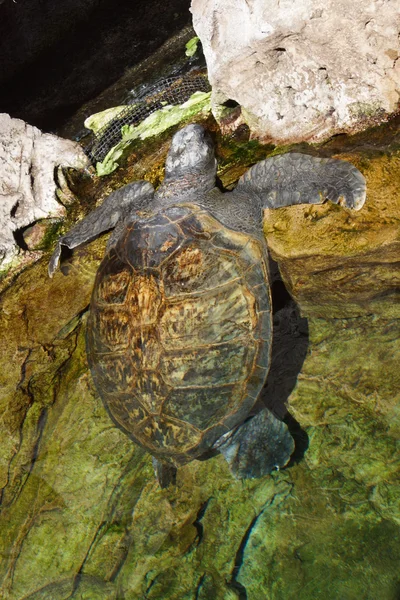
[
  {"x": 304, "y": 70},
  {"x": 82, "y": 515}
]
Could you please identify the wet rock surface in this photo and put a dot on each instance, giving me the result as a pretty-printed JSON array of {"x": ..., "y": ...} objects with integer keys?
[{"x": 81, "y": 512}]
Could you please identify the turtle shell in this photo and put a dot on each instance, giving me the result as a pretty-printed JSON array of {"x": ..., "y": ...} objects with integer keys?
[{"x": 179, "y": 331}]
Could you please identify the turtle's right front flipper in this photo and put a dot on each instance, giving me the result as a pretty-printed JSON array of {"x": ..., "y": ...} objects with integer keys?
[
  {"x": 130, "y": 198},
  {"x": 288, "y": 179}
]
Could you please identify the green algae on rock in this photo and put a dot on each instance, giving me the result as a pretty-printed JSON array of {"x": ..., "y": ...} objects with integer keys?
[
  {"x": 346, "y": 399},
  {"x": 322, "y": 528}
]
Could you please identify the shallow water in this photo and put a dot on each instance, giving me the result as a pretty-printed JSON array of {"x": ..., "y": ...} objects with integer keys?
[{"x": 83, "y": 517}]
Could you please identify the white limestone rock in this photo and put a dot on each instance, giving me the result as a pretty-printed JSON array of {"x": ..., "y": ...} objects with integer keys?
[
  {"x": 303, "y": 70},
  {"x": 28, "y": 159}
]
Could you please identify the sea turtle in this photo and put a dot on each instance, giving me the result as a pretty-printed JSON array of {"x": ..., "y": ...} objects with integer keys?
[{"x": 179, "y": 331}]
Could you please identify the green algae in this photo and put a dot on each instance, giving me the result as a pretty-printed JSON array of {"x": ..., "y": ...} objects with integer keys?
[
  {"x": 99, "y": 120},
  {"x": 159, "y": 121},
  {"x": 334, "y": 541},
  {"x": 77, "y": 460},
  {"x": 325, "y": 527},
  {"x": 191, "y": 46}
]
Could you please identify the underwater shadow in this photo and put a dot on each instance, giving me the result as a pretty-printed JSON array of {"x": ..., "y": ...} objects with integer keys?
[{"x": 289, "y": 349}]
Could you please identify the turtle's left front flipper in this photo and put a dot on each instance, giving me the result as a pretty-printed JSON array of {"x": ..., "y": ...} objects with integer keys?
[
  {"x": 132, "y": 197},
  {"x": 261, "y": 445},
  {"x": 294, "y": 178}
]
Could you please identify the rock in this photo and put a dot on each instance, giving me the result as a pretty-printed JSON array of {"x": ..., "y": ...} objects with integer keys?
[
  {"x": 35, "y": 235},
  {"x": 304, "y": 70},
  {"x": 28, "y": 158},
  {"x": 326, "y": 253}
]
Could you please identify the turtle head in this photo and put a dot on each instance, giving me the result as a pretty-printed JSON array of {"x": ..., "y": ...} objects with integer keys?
[{"x": 191, "y": 153}]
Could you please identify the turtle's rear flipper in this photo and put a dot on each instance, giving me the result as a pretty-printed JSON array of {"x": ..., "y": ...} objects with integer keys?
[
  {"x": 259, "y": 446},
  {"x": 166, "y": 474}
]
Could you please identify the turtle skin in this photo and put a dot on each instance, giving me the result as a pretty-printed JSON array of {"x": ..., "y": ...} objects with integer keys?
[{"x": 179, "y": 331}]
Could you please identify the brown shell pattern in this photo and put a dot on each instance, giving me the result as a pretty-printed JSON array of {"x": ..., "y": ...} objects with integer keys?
[{"x": 179, "y": 331}]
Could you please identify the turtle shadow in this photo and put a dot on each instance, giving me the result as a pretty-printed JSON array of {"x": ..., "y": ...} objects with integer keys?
[{"x": 290, "y": 344}]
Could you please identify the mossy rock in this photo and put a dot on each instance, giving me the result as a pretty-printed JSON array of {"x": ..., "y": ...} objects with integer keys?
[{"x": 338, "y": 263}]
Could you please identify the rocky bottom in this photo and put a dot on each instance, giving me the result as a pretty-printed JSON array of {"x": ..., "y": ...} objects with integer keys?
[{"x": 83, "y": 516}]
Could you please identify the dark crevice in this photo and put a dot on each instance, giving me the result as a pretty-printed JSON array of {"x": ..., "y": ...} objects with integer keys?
[
  {"x": 39, "y": 430},
  {"x": 35, "y": 451},
  {"x": 79, "y": 575},
  {"x": 31, "y": 177},
  {"x": 233, "y": 583},
  {"x": 198, "y": 524},
  {"x": 280, "y": 296},
  {"x": 19, "y": 237},
  {"x": 199, "y": 586},
  {"x": 335, "y": 136},
  {"x": 14, "y": 210},
  {"x": 23, "y": 369},
  {"x": 152, "y": 582},
  {"x": 230, "y": 103}
]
